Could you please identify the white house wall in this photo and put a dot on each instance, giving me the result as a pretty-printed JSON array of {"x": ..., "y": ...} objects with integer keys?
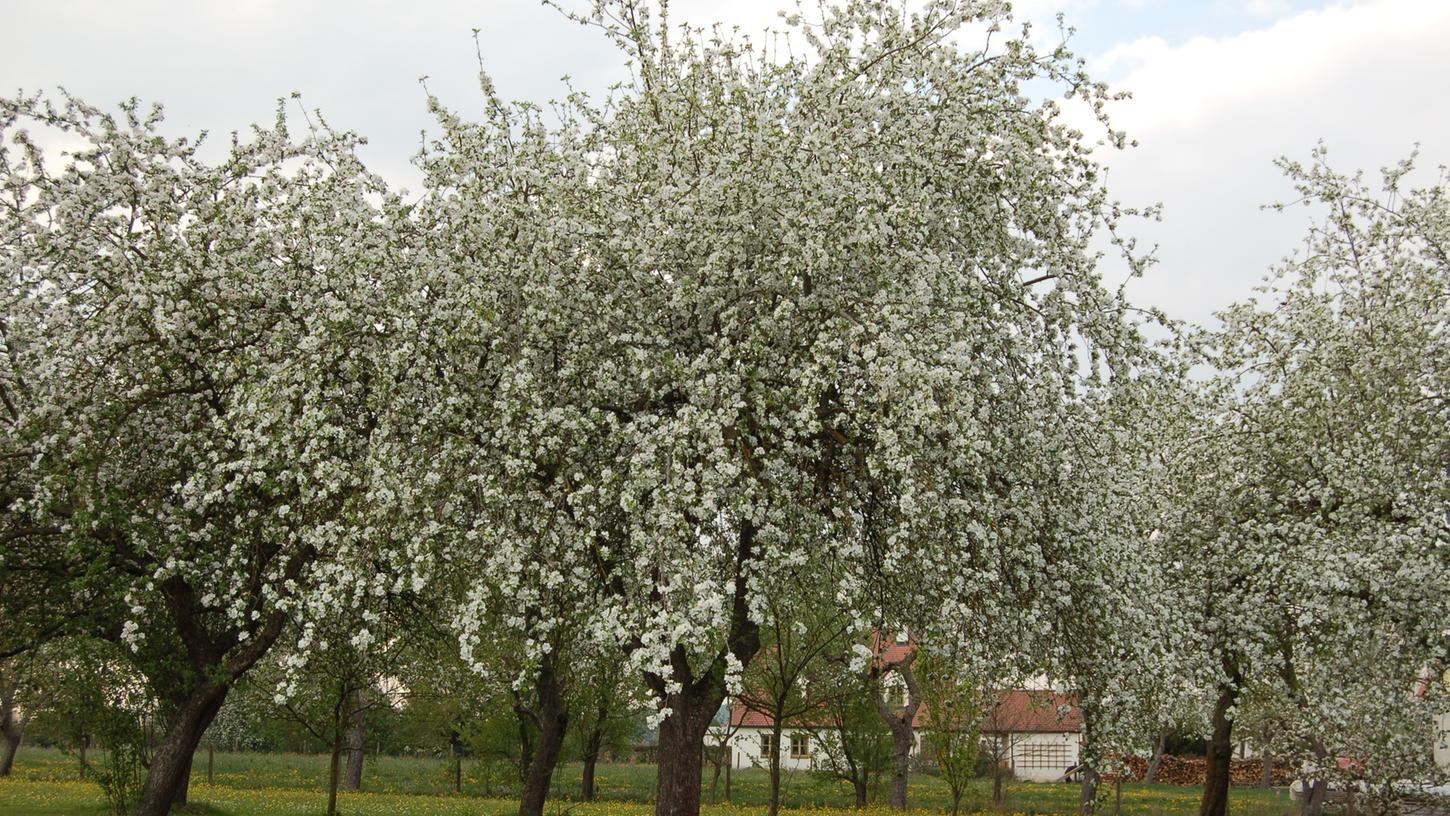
[
  {"x": 1036, "y": 757},
  {"x": 1442, "y": 741}
]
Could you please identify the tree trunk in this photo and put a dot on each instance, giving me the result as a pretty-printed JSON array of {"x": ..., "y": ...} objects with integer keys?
[
  {"x": 901, "y": 743},
  {"x": 591, "y": 759},
  {"x": 1267, "y": 780},
  {"x": 455, "y": 747},
  {"x": 11, "y": 730},
  {"x": 586, "y": 789},
  {"x": 901, "y": 722},
  {"x": 334, "y": 768},
  {"x": 1157, "y": 759},
  {"x": 1118, "y": 793},
  {"x": 12, "y": 744},
  {"x": 355, "y": 734},
  {"x": 211, "y": 765},
  {"x": 1088, "y": 798},
  {"x": 776, "y": 732},
  {"x": 956, "y": 800},
  {"x": 553, "y": 721},
  {"x": 183, "y": 790},
  {"x": 693, "y": 699},
  {"x": 716, "y": 767},
  {"x": 171, "y": 765},
  {"x": 682, "y": 749},
  {"x": 1220, "y": 753},
  {"x": 1314, "y": 803},
  {"x": 997, "y": 785},
  {"x": 859, "y": 783},
  {"x": 728, "y": 767}
]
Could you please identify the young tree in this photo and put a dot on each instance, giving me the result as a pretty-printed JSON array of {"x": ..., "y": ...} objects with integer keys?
[
  {"x": 803, "y": 626},
  {"x": 605, "y": 714},
  {"x": 764, "y": 305},
  {"x": 855, "y": 744},
  {"x": 953, "y": 705},
  {"x": 189, "y": 386},
  {"x": 897, "y": 695},
  {"x": 1313, "y": 522}
]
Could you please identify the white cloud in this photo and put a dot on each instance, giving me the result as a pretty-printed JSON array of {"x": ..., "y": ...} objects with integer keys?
[{"x": 1212, "y": 114}]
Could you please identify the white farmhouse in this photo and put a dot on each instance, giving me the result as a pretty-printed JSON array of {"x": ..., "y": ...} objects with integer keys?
[{"x": 1035, "y": 733}]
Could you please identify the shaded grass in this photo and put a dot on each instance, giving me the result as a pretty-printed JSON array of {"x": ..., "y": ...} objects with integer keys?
[{"x": 48, "y": 783}]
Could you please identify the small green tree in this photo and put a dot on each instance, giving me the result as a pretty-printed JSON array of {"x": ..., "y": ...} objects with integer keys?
[
  {"x": 952, "y": 734},
  {"x": 855, "y": 745}
]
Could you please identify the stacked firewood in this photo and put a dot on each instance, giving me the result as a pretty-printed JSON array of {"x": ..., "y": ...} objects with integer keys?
[{"x": 1175, "y": 770}]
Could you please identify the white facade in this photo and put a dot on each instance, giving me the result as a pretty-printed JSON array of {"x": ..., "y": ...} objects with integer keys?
[
  {"x": 1032, "y": 756},
  {"x": 1442, "y": 741}
]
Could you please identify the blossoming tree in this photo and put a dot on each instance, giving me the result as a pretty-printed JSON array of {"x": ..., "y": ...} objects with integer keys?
[
  {"x": 1313, "y": 524},
  {"x": 189, "y": 384},
  {"x": 759, "y": 309}
]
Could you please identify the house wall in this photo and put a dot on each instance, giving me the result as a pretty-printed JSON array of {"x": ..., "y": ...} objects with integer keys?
[
  {"x": 1042, "y": 756},
  {"x": 1442, "y": 741},
  {"x": 1035, "y": 757},
  {"x": 748, "y": 750}
]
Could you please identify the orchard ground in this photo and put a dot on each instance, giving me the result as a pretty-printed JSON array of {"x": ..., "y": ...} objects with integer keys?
[{"x": 47, "y": 783}]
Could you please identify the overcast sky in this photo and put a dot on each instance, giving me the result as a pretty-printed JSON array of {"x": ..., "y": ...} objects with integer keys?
[{"x": 1220, "y": 87}]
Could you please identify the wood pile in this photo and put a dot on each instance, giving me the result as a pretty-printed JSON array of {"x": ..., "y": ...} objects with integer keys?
[{"x": 1175, "y": 770}]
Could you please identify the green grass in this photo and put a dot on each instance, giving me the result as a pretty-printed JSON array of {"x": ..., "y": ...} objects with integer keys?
[{"x": 47, "y": 783}]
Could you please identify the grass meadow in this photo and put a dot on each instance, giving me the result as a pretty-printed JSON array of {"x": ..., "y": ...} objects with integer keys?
[{"x": 49, "y": 783}]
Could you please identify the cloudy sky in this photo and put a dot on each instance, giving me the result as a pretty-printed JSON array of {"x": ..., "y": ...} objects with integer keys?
[{"x": 1220, "y": 88}]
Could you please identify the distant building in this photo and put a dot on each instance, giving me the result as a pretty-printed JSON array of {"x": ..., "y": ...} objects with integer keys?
[{"x": 1034, "y": 733}]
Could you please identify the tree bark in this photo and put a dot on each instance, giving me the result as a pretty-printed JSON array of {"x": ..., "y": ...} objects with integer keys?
[
  {"x": 693, "y": 704},
  {"x": 171, "y": 765},
  {"x": 902, "y": 724},
  {"x": 776, "y": 732},
  {"x": 355, "y": 733},
  {"x": 10, "y": 728},
  {"x": 183, "y": 788},
  {"x": 12, "y": 744},
  {"x": 728, "y": 767},
  {"x": 211, "y": 765},
  {"x": 859, "y": 783},
  {"x": 455, "y": 746},
  {"x": 1151, "y": 775},
  {"x": 591, "y": 759},
  {"x": 550, "y": 714},
  {"x": 694, "y": 698},
  {"x": 1088, "y": 797},
  {"x": 681, "y": 750},
  {"x": 1220, "y": 752},
  {"x": 334, "y": 767}
]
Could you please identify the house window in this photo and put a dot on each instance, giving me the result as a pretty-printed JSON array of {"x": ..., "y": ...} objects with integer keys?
[
  {"x": 1050, "y": 755},
  {"x": 768, "y": 747},
  {"x": 800, "y": 746}
]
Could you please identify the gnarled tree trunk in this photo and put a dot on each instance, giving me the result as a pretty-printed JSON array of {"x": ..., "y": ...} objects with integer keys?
[
  {"x": 901, "y": 721},
  {"x": 1220, "y": 752},
  {"x": 591, "y": 760},
  {"x": 693, "y": 699},
  {"x": 355, "y": 733},
  {"x": 171, "y": 765},
  {"x": 1159, "y": 746},
  {"x": 682, "y": 748},
  {"x": 10, "y": 727},
  {"x": 551, "y": 714}
]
